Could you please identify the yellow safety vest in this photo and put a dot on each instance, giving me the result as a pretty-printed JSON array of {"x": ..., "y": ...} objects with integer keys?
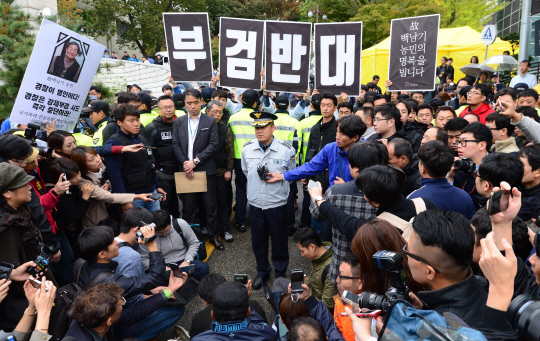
[
  {"x": 286, "y": 125},
  {"x": 179, "y": 113},
  {"x": 242, "y": 127},
  {"x": 147, "y": 118},
  {"x": 98, "y": 135},
  {"x": 305, "y": 128},
  {"x": 83, "y": 140}
]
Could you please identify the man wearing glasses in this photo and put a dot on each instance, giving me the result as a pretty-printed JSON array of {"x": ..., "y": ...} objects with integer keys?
[
  {"x": 159, "y": 135},
  {"x": 474, "y": 142},
  {"x": 387, "y": 122},
  {"x": 476, "y": 105}
]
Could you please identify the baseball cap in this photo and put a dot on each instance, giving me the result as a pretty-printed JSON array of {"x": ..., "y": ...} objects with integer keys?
[
  {"x": 521, "y": 87},
  {"x": 97, "y": 106},
  {"x": 206, "y": 94},
  {"x": 12, "y": 177},
  {"x": 316, "y": 99},
  {"x": 178, "y": 100},
  {"x": 145, "y": 97},
  {"x": 249, "y": 97},
  {"x": 231, "y": 301},
  {"x": 282, "y": 102},
  {"x": 33, "y": 156}
]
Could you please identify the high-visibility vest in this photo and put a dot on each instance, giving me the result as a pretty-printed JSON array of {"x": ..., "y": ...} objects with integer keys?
[
  {"x": 179, "y": 113},
  {"x": 243, "y": 130},
  {"x": 98, "y": 135},
  {"x": 83, "y": 140},
  {"x": 148, "y": 118},
  {"x": 305, "y": 128},
  {"x": 285, "y": 128}
]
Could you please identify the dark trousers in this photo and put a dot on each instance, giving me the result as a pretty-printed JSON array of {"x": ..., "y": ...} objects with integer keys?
[
  {"x": 224, "y": 203},
  {"x": 305, "y": 218},
  {"x": 170, "y": 204},
  {"x": 270, "y": 223},
  {"x": 210, "y": 206},
  {"x": 290, "y": 207},
  {"x": 241, "y": 192}
]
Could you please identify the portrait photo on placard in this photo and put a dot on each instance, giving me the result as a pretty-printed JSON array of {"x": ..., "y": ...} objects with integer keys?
[{"x": 67, "y": 59}]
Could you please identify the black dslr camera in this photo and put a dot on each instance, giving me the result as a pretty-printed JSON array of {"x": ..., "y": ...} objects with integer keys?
[
  {"x": 522, "y": 315},
  {"x": 466, "y": 165},
  {"x": 263, "y": 171},
  {"x": 42, "y": 262},
  {"x": 397, "y": 275},
  {"x": 30, "y": 134}
]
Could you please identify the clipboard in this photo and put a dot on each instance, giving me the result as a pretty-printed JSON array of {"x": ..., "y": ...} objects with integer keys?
[{"x": 184, "y": 185}]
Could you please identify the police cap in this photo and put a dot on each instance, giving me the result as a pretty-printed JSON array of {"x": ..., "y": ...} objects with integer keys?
[
  {"x": 249, "y": 97},
  {"x": 262, "y": 118},
  {"x": 282, "y": 102}
]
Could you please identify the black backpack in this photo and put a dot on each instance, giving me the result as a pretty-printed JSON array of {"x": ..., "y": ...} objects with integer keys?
[
  {"x": 67, "y": 295},
  {"x": 201, "y": 253}
]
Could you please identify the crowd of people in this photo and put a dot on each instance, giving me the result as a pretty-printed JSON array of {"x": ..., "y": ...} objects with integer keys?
[{"x": 95, "y": 212}]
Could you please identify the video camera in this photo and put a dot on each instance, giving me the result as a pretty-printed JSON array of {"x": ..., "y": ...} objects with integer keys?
[
  {"x": 397, "y": 275},
  {"x": 30, "y": 134},
  {"x": 42, "y": 262},
  {"x": 522, "y": 315},
  {"x": 466, "y": 165}
]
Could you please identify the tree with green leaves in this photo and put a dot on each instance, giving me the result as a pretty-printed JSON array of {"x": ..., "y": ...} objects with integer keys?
[
  {"x": 473, "y": 13},
  {"x": 16, "y": 43},
  {"x": 137, "y": 24},
  {"x": 336, "y": 11},
  {"x": 513, "y": 39}
]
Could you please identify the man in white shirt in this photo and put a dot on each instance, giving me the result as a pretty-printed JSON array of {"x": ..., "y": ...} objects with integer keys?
[{"x": 524, "y": 76}]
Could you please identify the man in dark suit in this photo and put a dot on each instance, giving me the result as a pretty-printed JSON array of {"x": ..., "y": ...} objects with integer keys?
[{"x": 194, "y": 143}]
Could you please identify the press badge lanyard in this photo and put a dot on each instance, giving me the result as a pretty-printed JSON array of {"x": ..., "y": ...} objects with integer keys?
[{"x": 192, "y": 134}]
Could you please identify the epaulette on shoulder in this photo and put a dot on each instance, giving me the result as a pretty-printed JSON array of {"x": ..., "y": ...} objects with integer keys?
[
  {"x": 286, "y": 144},
  {"x": 248, "y": 142}
]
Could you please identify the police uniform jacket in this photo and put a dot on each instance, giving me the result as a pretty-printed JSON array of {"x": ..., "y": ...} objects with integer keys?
[{"x": 279, "y": 157}]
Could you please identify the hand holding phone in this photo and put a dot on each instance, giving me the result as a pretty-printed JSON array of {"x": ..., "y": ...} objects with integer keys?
[
  {"x": 351, "y": 299},
  {"x": 242, "y": 278},
  {"x": 65, "y": 179},
  {"x": 312, "y": 184},
  {"x": 5, "y": 270},
  {"x": 156, "y": 196},
  {"x": 297, "y": 279},
  {"x": 498, "y": 201}
]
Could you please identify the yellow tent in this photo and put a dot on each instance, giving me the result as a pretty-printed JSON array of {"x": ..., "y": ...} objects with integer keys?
[{"x": 460, "y": 43}]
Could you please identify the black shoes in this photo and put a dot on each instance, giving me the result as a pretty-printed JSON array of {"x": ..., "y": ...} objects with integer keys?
[
  {"x": 217, "y": 244},
  {"x": 257, "y": 283},
  {"x": 241, "y": 227}
]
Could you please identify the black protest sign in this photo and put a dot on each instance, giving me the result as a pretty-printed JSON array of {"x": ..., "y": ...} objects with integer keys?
[
  {"x": 241, "y": 52},
  {"x": 338, "y": 48},
  {"x": 288, "y": 50},
  {"x": 413, "y": 53},
  {"x": 188, "y": 45}
]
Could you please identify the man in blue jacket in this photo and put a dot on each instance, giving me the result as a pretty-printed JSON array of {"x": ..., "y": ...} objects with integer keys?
[
  {"x": 233, "y": 317},
  {"x": 436, "y": 160},
  {"x": 332, "y": 157}
]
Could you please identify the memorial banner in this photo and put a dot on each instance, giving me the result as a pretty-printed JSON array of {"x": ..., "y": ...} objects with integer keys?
[
  {"x": 338, "y": 48},
  {"x": 188, "y": 45},
  {"x": 287, "y": 56},
  {"x": 56, "y": 82},
  {"x": 413, "y": 53},
  {"x": 241, "y": 46}
]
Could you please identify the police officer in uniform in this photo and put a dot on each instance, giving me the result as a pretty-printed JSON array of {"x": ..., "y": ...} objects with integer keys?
[
  {"x": 288, "y": 130},
  {"x": 159, "y": 135},
  {"x": 267, "y": 202},
  {"x": 99, "y": 114},
  {"x": 242, "y": 127}
]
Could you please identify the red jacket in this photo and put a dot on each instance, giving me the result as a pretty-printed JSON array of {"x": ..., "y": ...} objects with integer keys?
[
  {"x": 482, "y": 111},
  {"x": 48, "y": 200}
]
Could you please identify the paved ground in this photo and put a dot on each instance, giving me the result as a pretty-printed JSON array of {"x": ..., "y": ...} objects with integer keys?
[{"x": 238, "y": 258}]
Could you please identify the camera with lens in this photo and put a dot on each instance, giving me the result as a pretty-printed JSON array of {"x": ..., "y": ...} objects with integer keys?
[
  {"x": 466, "y": 165},
  {"x": 263, "y": 171},
  {"x": 42, "y": 262},
  {"x": 397, "y": 275},
  {"x": 30, "y": 134},
  {"x": 523, "y": 315},
  {"x": 139, "y": 235}
]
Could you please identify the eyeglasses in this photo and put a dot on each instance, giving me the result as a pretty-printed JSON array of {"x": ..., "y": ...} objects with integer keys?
[
  {"x": 341, "y": 277},
  {"x": 464, "y": 142},
  {"x": 168, "y": 107},
  {"x": 377, "y": 119},
  {"x": 495, "y": 128},
  {"x": 471, "y": 93},
  {"x": 475, "y": 174},
  {"x": 215, "y": 111},
  {"x": 418, "y": 258},
  {"x": 20, "y": 162},
  {"x": 164, "y": 232}
]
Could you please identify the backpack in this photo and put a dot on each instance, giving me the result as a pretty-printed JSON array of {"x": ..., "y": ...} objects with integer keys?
[
  {"x": 201, "y": 252},
  {"x": 67, "y": 295},
  {"x": 404, "y": 226}
]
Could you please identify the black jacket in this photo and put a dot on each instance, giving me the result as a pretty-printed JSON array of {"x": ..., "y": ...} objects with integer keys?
[
  {"x": 112, "y": 127},
  {"x": 530, "y": 203},
  {"x": 70, "y": 210},
  {"x": 128, "y": 317},
  {"x": 414, "y": 179},
  {"x": 467, "y": 299},
  {"x": 132, "y": 285},
  {"x": 467, "y": 183},
  {"x": 321, "y": 135},
  {"x": 414, "y": 137},
  {"x": 204, "y": 146},
  {"x": 159, "y": 135}
]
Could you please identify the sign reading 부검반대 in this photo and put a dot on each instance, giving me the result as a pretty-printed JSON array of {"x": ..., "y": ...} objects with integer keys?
[
  {"x": 338, "y": 48},
  {"x": 413, "y": 53},
  {"x": 241, "y": 52},
  {"x": 56, "y": 82},
  {"x": 188, "y": 45}
]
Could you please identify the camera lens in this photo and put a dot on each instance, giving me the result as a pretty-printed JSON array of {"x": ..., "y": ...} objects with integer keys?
[
  {"x": 523, "y": 314},
  {"x": 372, "y": 301},
  {"x": 458, "y": 164}
]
